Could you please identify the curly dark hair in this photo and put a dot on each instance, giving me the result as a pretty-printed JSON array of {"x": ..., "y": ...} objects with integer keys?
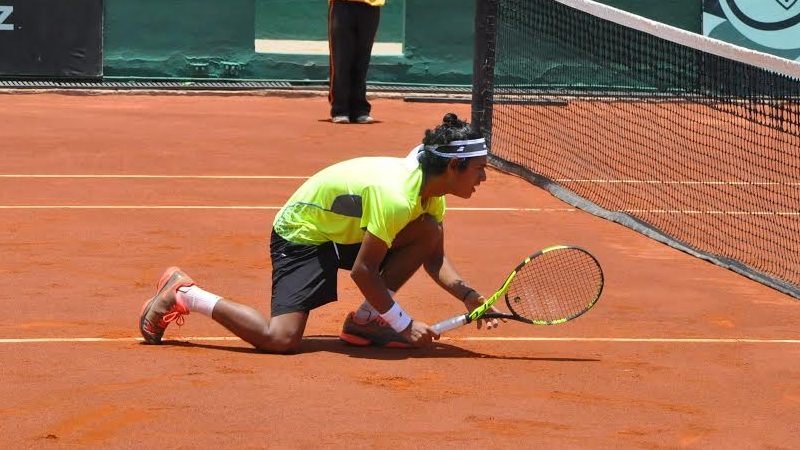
[{"x": 451, "y": 129}]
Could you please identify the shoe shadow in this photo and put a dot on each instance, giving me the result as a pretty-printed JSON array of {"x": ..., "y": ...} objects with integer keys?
[
  {"x": 332, "y": 344},
  {"x": 374, "y": 121}
]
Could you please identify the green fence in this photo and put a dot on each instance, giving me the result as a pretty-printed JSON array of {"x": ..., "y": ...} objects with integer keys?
[{"x": 218, "y": 39}]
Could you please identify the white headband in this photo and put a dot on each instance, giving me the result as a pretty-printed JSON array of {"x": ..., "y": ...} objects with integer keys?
[{"x": 459, "y": 149}]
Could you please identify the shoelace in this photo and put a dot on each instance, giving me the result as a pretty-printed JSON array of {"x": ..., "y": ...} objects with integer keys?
[{"x": 174, "y": 316}]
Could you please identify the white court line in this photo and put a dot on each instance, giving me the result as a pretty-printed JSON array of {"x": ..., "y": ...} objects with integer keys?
[
  {"x": 191, "y": 177},
  {"x": 688, "y": 183},
  {"x": 469, "y": 339},
  {"x": 245, "y": 207},
  {"x": 299, "y": 177},
  {"x": 712, "y": 212},
  {"x": 303, "y": 177},
  {"x": 137, "y": 207},
  {"x": 499, "y": 209}
]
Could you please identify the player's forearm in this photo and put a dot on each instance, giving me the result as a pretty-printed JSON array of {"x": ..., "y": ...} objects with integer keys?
[
  {"x": 442, "y": 271},
  {"x": 372, "y": 287},
  {"x": 369, "y": 281}
]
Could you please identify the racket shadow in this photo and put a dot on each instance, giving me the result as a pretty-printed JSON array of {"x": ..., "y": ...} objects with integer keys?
[
  {"x": 332, "y": 344},
  {"x": 243, "y": 348}
]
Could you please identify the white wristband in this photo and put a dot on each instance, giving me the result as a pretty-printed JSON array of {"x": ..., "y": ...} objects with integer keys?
[{"x": 398, "y": 319}]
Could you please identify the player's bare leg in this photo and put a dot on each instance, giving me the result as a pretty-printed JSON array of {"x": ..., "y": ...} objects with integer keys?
[
  {"x": 279, "y": 334},
  {"x": 177, "y": 295},
  {"x": 411, "y": 248}
]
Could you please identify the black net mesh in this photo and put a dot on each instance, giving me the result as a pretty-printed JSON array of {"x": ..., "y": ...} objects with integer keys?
[{"x": 701, "y": 150}]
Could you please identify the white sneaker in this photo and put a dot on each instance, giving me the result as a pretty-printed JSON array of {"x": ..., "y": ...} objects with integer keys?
[
  {"x": 340, "y": 119},
  {"x": 365, "y": 119}
]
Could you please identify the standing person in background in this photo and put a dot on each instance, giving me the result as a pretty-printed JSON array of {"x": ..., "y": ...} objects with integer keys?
[{"x": 352, "y": 25}]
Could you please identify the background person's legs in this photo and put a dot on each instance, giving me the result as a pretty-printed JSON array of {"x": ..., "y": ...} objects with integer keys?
[
  {"x": 366, "y": 28},
  {"x": 342, "y": 42}
]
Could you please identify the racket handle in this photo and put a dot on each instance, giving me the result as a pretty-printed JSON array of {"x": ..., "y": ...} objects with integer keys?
[{"x": 451, "y": 323}]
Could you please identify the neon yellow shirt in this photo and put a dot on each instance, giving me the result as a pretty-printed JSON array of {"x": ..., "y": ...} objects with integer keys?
[{"x": 378, "y": 194}]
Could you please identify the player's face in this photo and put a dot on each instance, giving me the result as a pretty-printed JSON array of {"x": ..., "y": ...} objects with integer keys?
[{"x": 467, "y": 181}]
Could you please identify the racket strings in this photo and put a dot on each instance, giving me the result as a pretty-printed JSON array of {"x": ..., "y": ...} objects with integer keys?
[{"x": 556, "y": 286}]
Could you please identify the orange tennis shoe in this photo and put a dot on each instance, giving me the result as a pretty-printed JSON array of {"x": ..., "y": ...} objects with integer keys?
[
  {"x": 375, "y": 332},
  {"x": 165, "y": 307}
]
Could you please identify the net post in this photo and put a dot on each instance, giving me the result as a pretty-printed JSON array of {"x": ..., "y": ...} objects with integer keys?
[{"x": 483, "y": 66}]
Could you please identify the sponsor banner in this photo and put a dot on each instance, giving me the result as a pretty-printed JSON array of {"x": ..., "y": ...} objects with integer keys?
[
  {"x": 769, "y": 26},
  {"x": 51, "y": 38}
]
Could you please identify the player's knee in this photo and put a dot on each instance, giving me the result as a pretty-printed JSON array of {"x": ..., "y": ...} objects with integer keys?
[
  {"x": 434, "y": 230},
  {"x": 430, "y": 231},
  {"x": 425, "y": 234},
  {"x": 278, "y": 346},
  {"x": 278, "y": 343}
]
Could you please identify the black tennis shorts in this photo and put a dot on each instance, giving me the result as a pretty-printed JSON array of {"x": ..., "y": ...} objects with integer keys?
[{"x": 304, "y": 276}]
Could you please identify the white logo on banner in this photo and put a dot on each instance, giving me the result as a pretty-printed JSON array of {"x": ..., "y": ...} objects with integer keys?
[
  {"x": 771, "y": 23},
  {"x": 6, "y": 11}
]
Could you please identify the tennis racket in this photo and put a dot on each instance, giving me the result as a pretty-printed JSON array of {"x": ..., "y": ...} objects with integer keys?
[{"x": 552, "y": 286}]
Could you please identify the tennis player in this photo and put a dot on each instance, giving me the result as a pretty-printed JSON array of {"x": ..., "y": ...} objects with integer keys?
[{"x": 378, "y": 217}]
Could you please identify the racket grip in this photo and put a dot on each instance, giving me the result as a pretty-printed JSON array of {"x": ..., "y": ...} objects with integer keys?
[{"x": 450, "y": 324}]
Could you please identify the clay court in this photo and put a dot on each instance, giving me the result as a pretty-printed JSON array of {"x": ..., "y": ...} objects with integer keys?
[{"x": 100, "y": 193}]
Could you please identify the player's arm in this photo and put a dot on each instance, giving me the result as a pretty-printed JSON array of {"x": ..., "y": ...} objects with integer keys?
[
  {"x": 442, "y": 271},
  {"x": 367, "y": 276}
]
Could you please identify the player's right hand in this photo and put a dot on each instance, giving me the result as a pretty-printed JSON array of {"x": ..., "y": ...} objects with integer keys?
[{"x": 419, "y": 334}]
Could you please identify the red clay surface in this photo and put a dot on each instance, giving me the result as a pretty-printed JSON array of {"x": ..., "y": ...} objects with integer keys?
[{"x": 660, "y": 362}]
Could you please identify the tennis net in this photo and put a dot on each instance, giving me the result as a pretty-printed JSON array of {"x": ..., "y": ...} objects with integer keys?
[{"x": 689, "y": 140}]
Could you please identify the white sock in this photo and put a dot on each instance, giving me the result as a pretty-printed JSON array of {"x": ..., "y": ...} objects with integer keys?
[
  {"x": 366, "y": 312},
  {"x": 198, "y": 300}
]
